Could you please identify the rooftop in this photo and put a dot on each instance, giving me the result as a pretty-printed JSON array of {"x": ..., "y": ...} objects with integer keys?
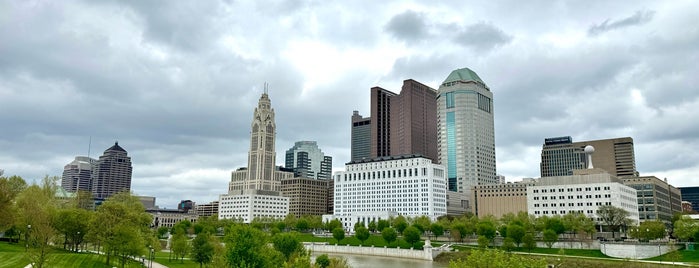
[{"x": 464, "y": 75}]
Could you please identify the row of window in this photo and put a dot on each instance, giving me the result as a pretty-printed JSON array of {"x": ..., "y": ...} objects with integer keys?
[{"x": 579, "y": 189}]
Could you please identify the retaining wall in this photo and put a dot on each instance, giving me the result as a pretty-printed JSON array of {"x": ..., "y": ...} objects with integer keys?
[
  {"x": 425, "y": 254},
  {"x": 634, "y": 251}
]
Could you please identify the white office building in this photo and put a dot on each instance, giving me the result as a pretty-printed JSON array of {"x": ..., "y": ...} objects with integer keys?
[
  {"x": 248, "y": 205},
  {"x": 373, "y": 189},
  {"x": 583, "y": 192}
]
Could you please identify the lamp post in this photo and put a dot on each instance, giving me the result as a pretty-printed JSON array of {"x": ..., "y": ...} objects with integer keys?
[
  {"x": 150, "y": 257},
  {"x": 76, "y": 242},
  {"x": 26, "y": 238}
]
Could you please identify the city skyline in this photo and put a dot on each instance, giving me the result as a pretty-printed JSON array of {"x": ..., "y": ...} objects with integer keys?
[{"x": 176, "y": 84}]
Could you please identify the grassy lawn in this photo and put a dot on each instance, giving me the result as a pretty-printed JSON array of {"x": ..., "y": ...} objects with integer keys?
[
  {"x": 162, "y": 258},
  {"x": 682, "y": 256},
  {"x": 13, "y": 256}
]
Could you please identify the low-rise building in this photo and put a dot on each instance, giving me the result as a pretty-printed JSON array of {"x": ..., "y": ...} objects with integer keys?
[
  {"x": 207, "y": 210},
  {"x": 657, "y": 200},
  {"x": 500, "y": 199},
  {"x": 306, "y": 196},
  {"x": 246, "y": 205}
]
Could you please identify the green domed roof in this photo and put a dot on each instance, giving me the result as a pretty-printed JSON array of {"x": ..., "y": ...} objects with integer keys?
[{"x": 463, "y": 74}]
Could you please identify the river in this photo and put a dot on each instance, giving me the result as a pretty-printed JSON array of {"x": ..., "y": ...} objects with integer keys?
[{"x": 363, "y": 261}]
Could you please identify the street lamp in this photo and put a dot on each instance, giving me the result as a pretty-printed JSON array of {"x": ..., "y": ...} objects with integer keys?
[
  {"x": 76, "y": 241},
  {"x": 26, "y": 238},
  {"x": 150, "y": 257}
]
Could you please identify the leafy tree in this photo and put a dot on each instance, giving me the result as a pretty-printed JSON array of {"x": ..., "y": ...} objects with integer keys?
[
  {"x": 437, "y": 229},
  {"x": 362, "y": 234},
  {"x": 400, "y": 223},
  {"x": 554, "y": 223},
  {"x": 382, "y": 224},
  {"x": 37, "y": 208},
  {"x": 516, "y": 233},
  {"x": 483, "y": 241},
  {"x": 246, "y": 246},
  {"x": 202, "y": 249},
  {"x": 179, "y": 246},
  {"x": 648, "y": 230},
  {"x": 120, "y": 225},
  {"x": 529, "y": 242},
  {"x": 550, "y": 237},
  {"x": 183, "y": 226},
  {"x": 290, "y": 220},
  {"x": 162, "y": 231},
  {"x": 323, "y": 261},
  {"x": 613, "y": 217},
  {"x": 508, "y": 244},
  {"x": 497, "y": 259},
  {"x": 302, "y": 225},
  {"x": 389, "y": 235},
  {"x": 459, "y": 231},
  {"x": 411, "y": 235},
  {"x": 9, "y": 189},
  {"x": 372, "y": 226},
  {"x": 73, "y": 223},
  {"x": 358, "y": 225},
  {"x": 422, "y": 223},
  {"x": 331, "y": 225},
  {"x": 287, "y": 244},
  {"x": 338, "y": 234},
  {"x": 685, "y": 228},
  {"x": 486, "y": 229}
]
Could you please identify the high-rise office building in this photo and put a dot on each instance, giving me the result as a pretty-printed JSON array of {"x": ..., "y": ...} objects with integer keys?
[
  {"x": 112, "y": 173},
  {"x": 691, "y": 195},
  {"x": 560, "y": 156},
  {"x": 466, "y": 131},
  {"x": 254, "y": 192},
  {"x": 361, "y": 137},
  {"x": 77, "y": 175},
  {"x": 657, "y": 200},
  {"x": 308, "y": 161},
  {"x": 400, "y": 124}
]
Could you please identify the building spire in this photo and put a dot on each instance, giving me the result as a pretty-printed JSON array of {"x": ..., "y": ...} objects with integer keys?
[{"x": 266, "y": 88}]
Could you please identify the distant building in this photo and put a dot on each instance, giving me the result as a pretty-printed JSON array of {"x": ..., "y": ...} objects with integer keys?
[
  {"x": 466, "y": 131},
  {"x": 457, "y": 204},
  {"x": 308, "y": 161},
  {"x": 501, "y": 179},
  {"x": 147, "y": 201},
  {"x": 207, "y": 210},
  {"x": 306, "y": 196},
  {"x": 560, "y": 156},
  {"x": 687, "y": 207},
  {"x": 112, "y": 173},
  {"x": 254, "y": 192},
  {"x": 584, "y": 192},
  {"x": 500, "y": 199},
  {"x": 361, "y": 137},
  {"x": 169, "y": 217},
  {"x": 657, "y": 200},
  {"x": 373, "y": 189},
  {"x": 77, "y": 175},
  {"x": 691, "y": 195}
]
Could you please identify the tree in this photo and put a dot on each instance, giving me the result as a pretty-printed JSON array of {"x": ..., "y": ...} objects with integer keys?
[
  {"x": 179, "y": 245},
  {"x": 120, "y": 225},
  {"x": 36, "y": 210},
  {"x": 331, "y": 225},
  {"x": 399, "y": 223},
  {"x": 287, "y": 244},
  {"x": 685, "y": 228},
  {"x": 483, "y": 241},
  {"x": 529, "y": 242},
  {"x": 382, "y": 224},
  {"x": 389, "y": 235},
  {"x": 290, "y": 220},
  {"x": 486, "y": 229},
  {"x": 372, "y": 226},
  {"x": 246, "y": 246},
  {"x": 73, "y": 223},
  {"x": 302, "y": 225},
  {"x": 550, "y": 237},
  {"x": 338, "y": 234},
  {"x": 437, "y": 229},
  {"x": 411, "y": 235},
  {"x": 362, "y": 234},
  {"x": 323, "y": 261},
  {"x": 9, "y": 189},
  {"x": 613, "y": 217},
  {"x": 516, "y": 233},
  {"x": 422, "y": 223},
  {"x": 555, "y": 223},
  {"x": 162, "y": 231},
  {"x": 358, "y": 225},
  {"x": 648, "y": 230},
  {"x": 508, "y": 244},
  {"x": 459, "y": 231}
]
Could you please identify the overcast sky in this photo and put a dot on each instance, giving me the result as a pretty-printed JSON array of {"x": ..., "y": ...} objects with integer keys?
[{"x": 176, "y": 82}]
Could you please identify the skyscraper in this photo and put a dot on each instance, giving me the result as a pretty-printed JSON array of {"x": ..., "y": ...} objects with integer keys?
[
  {"x": 361, "y": 137},
  {"x": 307, "y": 160},
  {"x": 77, "y": 175},
  {"x": 466, "y": 132},
  {"x": 400, "y": 124},
  {"x": 255, "y": 191},
  {"x": 560, "y": 156},
  {"x": 112, "y": 173}
]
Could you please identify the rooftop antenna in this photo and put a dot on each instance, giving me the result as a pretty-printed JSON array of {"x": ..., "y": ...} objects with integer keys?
[
  {"x": 266, "y": 87},
  {"x": 89, "y": 146}
]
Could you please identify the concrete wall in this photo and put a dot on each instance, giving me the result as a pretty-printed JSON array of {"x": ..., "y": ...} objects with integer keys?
[
  {"x": 425, "y": 254},
  {"x": 637, "y": 251}
]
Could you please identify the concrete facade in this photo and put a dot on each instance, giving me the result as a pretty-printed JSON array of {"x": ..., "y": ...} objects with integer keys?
[
  {"x": 251, "y": 204},
  {"x": 77, "y": 175},
  {"x": 657, "y": 200},
  {"x": 500, "y": 199},
  {"x": 425, "y": 254},
  {"x": 207, "y": 210},
  {"x": 306, "y": 196},
  {"x": 361, "y": 137},
  {"x": 560, "y": 156}
]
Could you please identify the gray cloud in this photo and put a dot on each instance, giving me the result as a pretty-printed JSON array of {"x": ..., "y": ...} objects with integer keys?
[
  {"x": 408, "y": 26},
  {"x": 482, "y": 37},
  {"x": 638, "y": 18}
]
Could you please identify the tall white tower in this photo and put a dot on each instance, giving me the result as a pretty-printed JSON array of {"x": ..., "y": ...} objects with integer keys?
[
  {"x": 261, "y": 157},
  {"x": 466, "y": 131},
  {"x": 588, "y": 155}
]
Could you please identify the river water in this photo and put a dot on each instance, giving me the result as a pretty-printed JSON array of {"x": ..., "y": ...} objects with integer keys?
[{"x": 363, "y": 261}]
